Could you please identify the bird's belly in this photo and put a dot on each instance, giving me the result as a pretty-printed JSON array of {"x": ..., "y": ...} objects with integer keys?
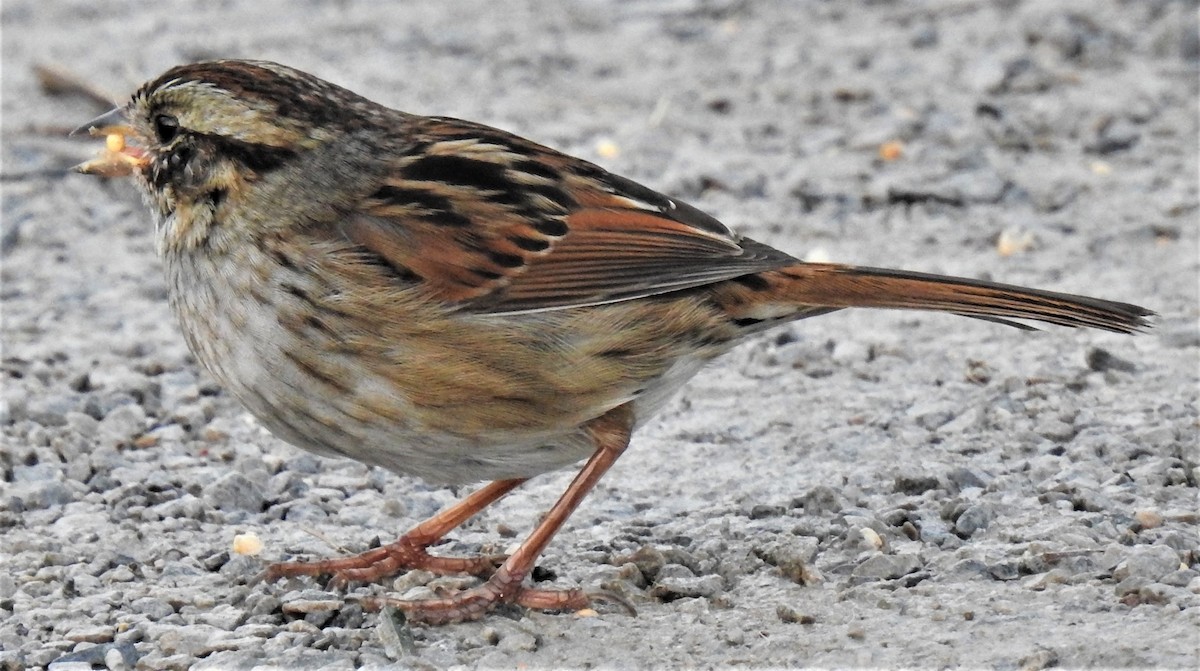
[
  {"x": 313, "y": 389},
  {"x": 458, "y": 400}
]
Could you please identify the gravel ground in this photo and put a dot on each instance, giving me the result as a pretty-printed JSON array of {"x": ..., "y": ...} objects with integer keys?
[{"x": 862, "y": 489}]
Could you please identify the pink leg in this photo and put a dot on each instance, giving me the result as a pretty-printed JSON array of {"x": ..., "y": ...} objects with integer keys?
[
  {"x": 610, "y": 433},
  {"x": 409, "y": 551}
]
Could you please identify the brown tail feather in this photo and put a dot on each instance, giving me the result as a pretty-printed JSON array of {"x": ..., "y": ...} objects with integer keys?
[{"x": 839, "y": 286}]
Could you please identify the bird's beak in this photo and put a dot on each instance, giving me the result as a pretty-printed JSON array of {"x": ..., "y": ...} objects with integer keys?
[
  {"x": 111, "y": 121},
  {"x": 118, "y": 159}
]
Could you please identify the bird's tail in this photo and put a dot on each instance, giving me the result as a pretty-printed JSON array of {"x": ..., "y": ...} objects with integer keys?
[{"x": 805, "y": 289}]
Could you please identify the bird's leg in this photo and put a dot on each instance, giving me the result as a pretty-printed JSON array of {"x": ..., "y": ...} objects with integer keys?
[
  {"x": 610, "y": 434},
  {"x": 409, "y": 552}
]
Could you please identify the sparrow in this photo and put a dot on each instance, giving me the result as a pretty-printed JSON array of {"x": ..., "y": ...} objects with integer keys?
[{"x": 451, "y": 301}]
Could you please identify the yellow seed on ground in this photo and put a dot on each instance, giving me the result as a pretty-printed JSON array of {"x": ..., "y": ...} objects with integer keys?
[
  {"x": 247, "y": 544},
  {"x": 115, "y": 142},
  {"x": 872, "y": 537},
  {"x": 892, "y": 150},
  {"x": 607, "y": 148},
  {"x": 1014, "y": 241}
]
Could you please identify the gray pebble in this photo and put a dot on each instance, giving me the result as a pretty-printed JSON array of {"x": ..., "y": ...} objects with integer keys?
[
  {"x": 790, "y": 552},
  {"x": 1004, "y": 570},
  {"x": 1147, "y": 561},
  {"x": 40, "y": 472},
  {"x": 973, "y": 519},
  {"x": 261, "y": 603},
  {"x": 914, "y": 484},
  {"x": 517, "y": 641},
  {"x": 108, "y": 655},
  {"x": 934, "y": 530},
  {"x": 40, "y": 495},
  {"x": 234, "y": 491},
  {"x": 820, "y": 500},
  {"x": 1180, "y": 578},
  {"x": 185, "y": 506},
  {"x": 1131, "y": 584},
  {"x": 1099, "y": 359},
  {"x": 847, "y": 352},
  {"x": 311, "y": 601},
  {"x": 7, "y": 414},
  {"x": 963, "y": 477},
  {"x": 1155, "y": 437},
  {"x": 987, "y": 74},
  {"x": 225, "y": 616},
  {"x": 671, "y": 588},
  {"x": 885, "y": 567},
  {"x": 51, "y": 409},
  {"x": 1053, "y": 428},
  {"x": 177, "y": 388},
  {"x": 153, "y": 608},
  {"x": 82, "y": 423},
  {"x": 649, "y": 560},
  {"x": 122, "y": 424},
  {"x": 191, "y": 417},
  {"x": 932, "y": 415},
  {"x": 196, "y": 640},
  {"x": 8, "y": 587},
  {"x": 1114, "y": 135}
]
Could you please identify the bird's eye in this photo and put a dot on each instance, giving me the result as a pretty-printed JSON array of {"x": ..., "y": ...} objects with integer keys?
[{"x": 166, "y": 127}]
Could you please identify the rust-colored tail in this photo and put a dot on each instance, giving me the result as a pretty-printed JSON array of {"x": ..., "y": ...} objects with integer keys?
[{"x": 813, "y": 288}]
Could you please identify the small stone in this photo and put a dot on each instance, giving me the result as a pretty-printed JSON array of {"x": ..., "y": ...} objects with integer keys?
[
  {"x": 1180, "y": 578},
  {"x": 930, "y": 416},
  {"x": 153, "y": 608},
  {"x": 122, "y": 424},
  {"x": 51, "y": 410},
  {"x": 885, "y": 567},
  {"x": 120, "y": 574},
  {"x": 671, "y": 588},
  {"x": 1056, "y": 576},
  {"x": 847, "y": 352},
  {"x": 8, "y": 586},
  {"x": 91, "y": 635},
  {"x": 1044, "y": 658},
  {"x": 43, "y": 494},
  {"x": 1131, "y": 585},
  {"x": 914, "y": 484},
  {"x": 1054, "y": 429},
  {"x": 973, "y": 519},
  {"x": 649, "y": 561},
  {"x": 234, "y": 491},
  {"x": 1148, "y": 519},
  {"x": 1147, "y": 561},
  {"x": 762, "y": 511},
  {"x": 871, "y": 538},
  {"x": 790, "y": 615},
  {"x": 1101, "y": 360},
  {"x": 311, "y": 601},
  {"x": 1114, "y": 135},
  {"x": 963, "y": 478},
  {"x": 518, "y": 641},
  {"x": 1004, "y": 570},
  {"x": 793, "y": 557},
  {"x": 225, "y": 616},
  {"x": 672, "y": 571},
  {"x": 116, "y": 660},
  {"x": 263, "y": 604}
]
